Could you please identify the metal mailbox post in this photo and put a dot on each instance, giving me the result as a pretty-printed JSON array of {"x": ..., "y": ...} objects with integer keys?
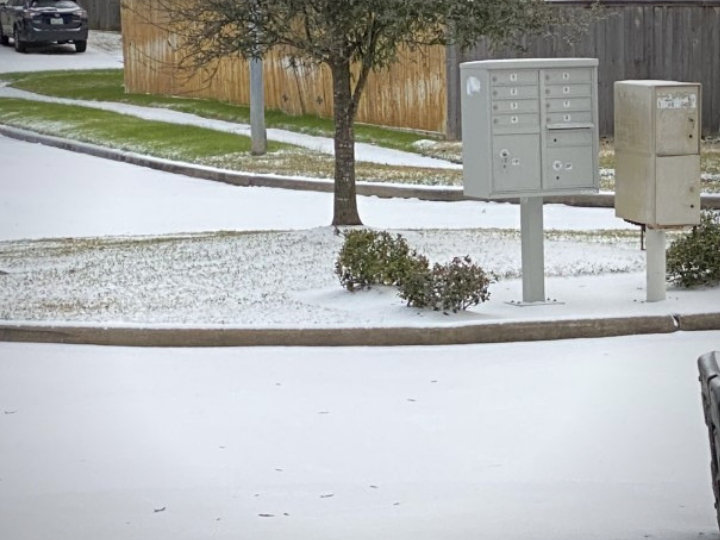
[{"x": 530, "y": 129}]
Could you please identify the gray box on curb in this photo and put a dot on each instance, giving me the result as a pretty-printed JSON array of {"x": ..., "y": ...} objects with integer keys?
[
  {"x": 530, "y": 127},
  {"x": 657, "y": 152}
]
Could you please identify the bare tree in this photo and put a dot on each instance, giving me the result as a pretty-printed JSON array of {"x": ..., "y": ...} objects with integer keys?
[{"x": 350, "y": 37}]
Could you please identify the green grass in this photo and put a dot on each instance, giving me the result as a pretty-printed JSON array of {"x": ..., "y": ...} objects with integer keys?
[
  {"x": 197, "y": 145},
  {"x": 160, "y": 139},
  {"x": 107, "y": 85}
]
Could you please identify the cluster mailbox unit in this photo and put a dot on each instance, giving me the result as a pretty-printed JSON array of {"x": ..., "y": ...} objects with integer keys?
[{"x": 530, "y": 129}]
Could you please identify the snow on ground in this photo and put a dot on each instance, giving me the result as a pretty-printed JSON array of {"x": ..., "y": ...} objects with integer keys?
[
  {"x": 280, "y": 277},
  {"x": 46, "y": 192},
  {"x": 582, "y": 439},
  {"x": 104, "y": 51}
]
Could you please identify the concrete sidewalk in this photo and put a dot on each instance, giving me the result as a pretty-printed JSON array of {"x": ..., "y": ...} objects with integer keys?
[{"x": 363, "y": 152}]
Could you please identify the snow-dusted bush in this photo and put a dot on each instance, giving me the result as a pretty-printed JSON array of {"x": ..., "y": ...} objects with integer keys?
[
  {"x": 694, "y": 259},
  {"x": 370, "y": 258},
  {"x": 454, "y": 286}
]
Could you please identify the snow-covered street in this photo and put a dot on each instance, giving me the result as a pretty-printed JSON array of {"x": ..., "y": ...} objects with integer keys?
[
  {"x": 581, "y": 439},
  {"x": 51, "y": 193}
]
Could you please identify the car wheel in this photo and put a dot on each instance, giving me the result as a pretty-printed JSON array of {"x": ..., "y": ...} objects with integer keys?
[
  {"x": 80, "y": 46},
  {"x": 4, "y": 40},
  {"x": 19, "y": 45}
]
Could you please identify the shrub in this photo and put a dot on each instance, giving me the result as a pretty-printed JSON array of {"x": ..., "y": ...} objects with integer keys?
[
  {"x": 451, "y": 287},
  {"x": 370, "y": 258},
  {"x": 694, "y": 259}
]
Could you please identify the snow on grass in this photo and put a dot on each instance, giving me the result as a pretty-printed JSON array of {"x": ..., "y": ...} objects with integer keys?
[
  {"x": 364, "y": 152},
  {"x": 261, "y": 279}
]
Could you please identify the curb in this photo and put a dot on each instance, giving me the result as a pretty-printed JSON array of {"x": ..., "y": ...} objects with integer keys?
[
  {"x": 357, "y": 337},
  {"x": 425, "y": 193}
]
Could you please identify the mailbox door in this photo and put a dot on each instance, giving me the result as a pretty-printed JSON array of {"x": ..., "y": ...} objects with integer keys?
[
  {"x": 569, "y": 167},
  {"x": 516, "y": 163},
  {"x": 677, "y": 192}
]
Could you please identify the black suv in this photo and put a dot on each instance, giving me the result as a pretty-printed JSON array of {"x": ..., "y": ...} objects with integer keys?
[{"x": 43, "y": 21}]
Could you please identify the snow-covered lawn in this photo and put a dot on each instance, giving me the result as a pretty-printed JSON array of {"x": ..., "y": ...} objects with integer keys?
[
  {"x": 583, "y": 439},
  {"x": 274, "y": 264}
]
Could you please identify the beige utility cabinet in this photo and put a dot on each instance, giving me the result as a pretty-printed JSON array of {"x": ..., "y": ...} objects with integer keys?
[
  {"x": 530, "y": 127},
  {"x": 657, "y": 152}
]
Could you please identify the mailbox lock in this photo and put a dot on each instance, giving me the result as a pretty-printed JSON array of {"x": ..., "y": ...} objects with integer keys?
[{"x": 504, "y": 153}]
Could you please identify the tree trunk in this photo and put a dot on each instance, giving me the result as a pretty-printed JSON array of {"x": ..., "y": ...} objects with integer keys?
[{"x": 345, "y": 208}]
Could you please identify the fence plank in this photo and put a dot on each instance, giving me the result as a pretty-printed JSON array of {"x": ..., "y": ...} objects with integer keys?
[{"x": 103, "y": 14}]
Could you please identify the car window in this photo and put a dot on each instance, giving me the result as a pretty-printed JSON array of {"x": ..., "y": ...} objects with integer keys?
[{"x": 53, "y": 3}]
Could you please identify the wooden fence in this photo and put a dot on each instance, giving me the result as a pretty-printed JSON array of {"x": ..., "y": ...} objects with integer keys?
[
  {"x": 633, "y": 39},
  {"x": 411, "y": 94},
  {"x": 103, "y": 14}
]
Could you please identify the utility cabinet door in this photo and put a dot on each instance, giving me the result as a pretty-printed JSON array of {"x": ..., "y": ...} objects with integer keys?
[
  {"x": 677, "y": 124},
  {"x": 677, "y": 191},
  {"x": 516, "y": 163}
]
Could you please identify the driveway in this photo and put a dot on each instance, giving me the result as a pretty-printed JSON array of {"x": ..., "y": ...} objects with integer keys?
[{"x": 104, "y": 52}]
